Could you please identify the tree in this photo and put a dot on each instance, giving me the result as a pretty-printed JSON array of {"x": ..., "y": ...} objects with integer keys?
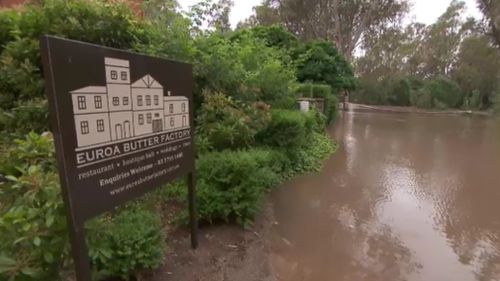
[
  {"x": 443, "y": 41},
  {"x": 491, "y": 11},
  {"x": 320, "y": 62},
  {"x": 478, "y": 71},
  {"x": 211, "y": 15},
  {"x": 343, "y": 23}
]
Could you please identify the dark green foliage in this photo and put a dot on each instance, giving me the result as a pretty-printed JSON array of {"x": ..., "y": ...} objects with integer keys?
[
  {"x": 21, "y": 80},
  {"x": 331, "y": 102},
  {"x": 305, "y": 90},
  {"x": 286, "y": 130},
  {"x": 34, "y": 242},
  {"x": 400, "y": 93},
  {"x": 127, "y": 243},
  {"x": 444, "y": 92},
  {"x": 224, "y": 123},
  {"x": 31, "y": 115},
  {"x": 275, "y": 36},
  {"x": 8, "y": 21},
  {"x": 310, "y": 90},
  {"x": 231, "y": 184},
  {"x": 320, "y": 62},
  {"x": 245, "y": 69}
]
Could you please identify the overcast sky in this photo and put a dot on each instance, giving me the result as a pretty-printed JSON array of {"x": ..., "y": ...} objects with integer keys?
[{"x": 426, "y": 11}]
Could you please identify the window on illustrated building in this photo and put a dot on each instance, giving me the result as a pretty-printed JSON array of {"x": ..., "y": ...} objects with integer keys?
[
  {"x": 148, "y": 116},
  {"x": 100, "y": 125},
  {"x": 183, "y": 107},
  {"x": 139, "y": 100},
  {"x": 125, "y": 100},
  {"x": 156, "y": 100},
  {"x": 171, "y": 108},
  {"x": 171, "y": 121},
  {"x": 82, "y": 103},
  {"x": 141, "y": 119},
  {"x": 148, "y": 100},
  {"x": 98, "y": 102},
  {"x": 124, "y": 75},
  {"x": 116, "y": 101},
  {"x": 157, "y": 115},
  {"x": 84, "y": 127},
  {"x": 114, "y": 74}
]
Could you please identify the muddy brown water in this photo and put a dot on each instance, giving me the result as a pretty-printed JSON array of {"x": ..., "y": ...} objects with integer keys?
[{"x": 406, "y": 197}]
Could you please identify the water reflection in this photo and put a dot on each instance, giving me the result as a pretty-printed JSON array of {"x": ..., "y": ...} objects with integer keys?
[{"x": 406, "y": 197}]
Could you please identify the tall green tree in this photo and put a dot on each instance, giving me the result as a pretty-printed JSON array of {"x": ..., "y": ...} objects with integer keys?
[
  {"x": 478, "y": 71},
  {"x": 443, "y": 41},
  {"x": 344, "y": 23},
  {"x": 491, "y": 11}
]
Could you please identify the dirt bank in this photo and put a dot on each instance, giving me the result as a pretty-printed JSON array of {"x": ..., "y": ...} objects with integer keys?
[{"x": 226, "y": 252}]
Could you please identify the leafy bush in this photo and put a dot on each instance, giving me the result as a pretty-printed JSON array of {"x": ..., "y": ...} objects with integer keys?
[
  {"x": 97, "y": 22},
  {"x": 224, "y": 123},
  {"x": 131, "y": 241},
  {"x": 320, "y": 62},
  {"x": 400, "y": 92},
  {"x": 31, "y": 115},
  {"x": 310, "y": 158},
  {"x": 244, "y": 69},
  {"x": 445, "y": 92},
  {"x": 331, "y": 102},
  {"x": 287, "y": 130},
  {"x": 422, "y": 98},
  {"x": 231, "y": 184},
  {"x": 8, "y": 21},
  {"x": 33, "y": 244}
]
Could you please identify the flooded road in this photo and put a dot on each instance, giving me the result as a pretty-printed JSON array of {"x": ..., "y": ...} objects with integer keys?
[{"x": 406, "y": 197}]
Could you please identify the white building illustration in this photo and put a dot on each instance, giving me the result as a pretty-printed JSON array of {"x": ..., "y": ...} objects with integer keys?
[{"x": 122, "y": 110}]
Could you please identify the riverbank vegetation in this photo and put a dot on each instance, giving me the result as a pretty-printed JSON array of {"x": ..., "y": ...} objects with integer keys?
[
  {"x": 452, "y": 63},
  {"x": 249, "y": 135}
]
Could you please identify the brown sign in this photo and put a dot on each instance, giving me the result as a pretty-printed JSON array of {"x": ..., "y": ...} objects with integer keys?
[{"x": 122, "y": 124}]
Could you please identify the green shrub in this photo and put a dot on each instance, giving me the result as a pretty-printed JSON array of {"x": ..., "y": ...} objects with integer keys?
[
  {"x": 422, "y": 98},
  {"x": 311, "y": 157},
  {"x": 224, "y": 123},
  {"x": 34, "y": 244},
  {"x": 287, "y": 130},
  {"x": 445, "y": 92},
  {"x": 304, "y": 90},
  {"x": 8, "y": 21},
  {"x": 331, "y": 102},
  {"x": 321, "y": 62},
  {"x": 244, "y": 69},
  {"x": 400, "y": 92},
  {"x": 231, "y": 184},
  {"x": 31, "y": 115},
  {"x": 129, "y": 242},
  {"x": 112, "y": 25}
]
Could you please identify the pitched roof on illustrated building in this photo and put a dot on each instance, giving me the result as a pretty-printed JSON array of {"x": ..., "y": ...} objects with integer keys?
[
  {"x": 147, "y": 82},
  {"x": 90, "y": 90}
]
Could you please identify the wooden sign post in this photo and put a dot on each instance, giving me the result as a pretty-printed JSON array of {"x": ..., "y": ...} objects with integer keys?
[{"x": 122, "y": 125}]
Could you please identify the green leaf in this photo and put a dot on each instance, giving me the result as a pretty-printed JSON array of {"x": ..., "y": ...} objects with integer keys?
[
  {"x": 37, "y": 241},
  {"x": 30, "y": 271},
  {"x": 48, "y": 257},
  {"x": 49, "y": 220},
  {"x": 11, "y": 178}
]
